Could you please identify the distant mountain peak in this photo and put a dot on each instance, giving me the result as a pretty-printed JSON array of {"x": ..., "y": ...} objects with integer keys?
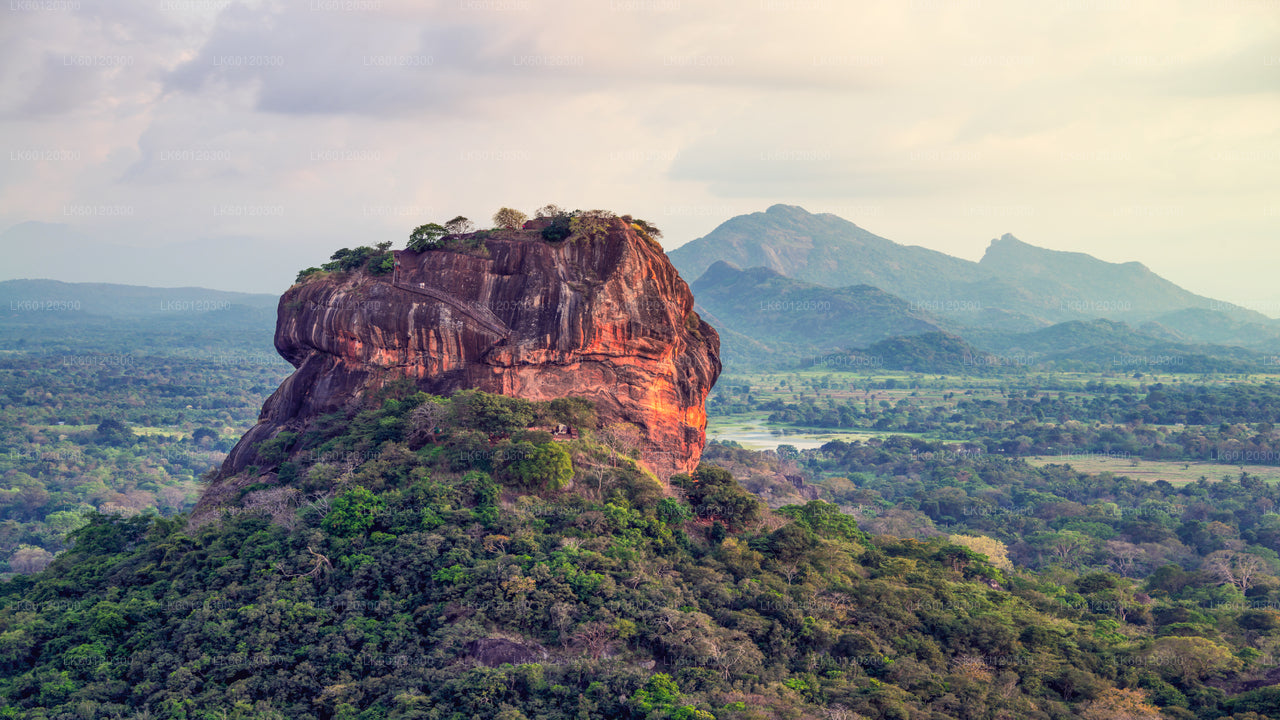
[
  {"x": 720, "y": 271},
  {"x": 783, "y": 209},
  {"x": 1009, "y": 251},
  {"x": 1016, "y": 286}
]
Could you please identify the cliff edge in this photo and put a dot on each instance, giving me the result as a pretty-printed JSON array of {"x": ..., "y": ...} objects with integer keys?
[{"x": 606, "y": 318}]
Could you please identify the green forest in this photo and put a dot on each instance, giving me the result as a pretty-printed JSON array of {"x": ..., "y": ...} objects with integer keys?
[
  {"x": 418, "y": 556},
  {"x": 439, "y": 557},
  {"x": 119, "y": 415}
]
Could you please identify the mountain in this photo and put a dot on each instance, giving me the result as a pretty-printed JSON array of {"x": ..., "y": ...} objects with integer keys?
[
  {"x": 605, "y": 318},
  {"x": 1016, "y": 287},
  {"x": 764, "y": 316},
  {"x": 767, "y": 320},
  {"x": 54, "y": 250},
  {"x": 374, "y": 549},
  {"x": 1110, "y": 345},
  {"x": 825, "y": 250},
  {"x": 1081, "y": 284},
  {"x": 57, "y": 318},
  {"x": 937, "y": 352},
  {"x": 1215, "y": 327},
  {"x": 48, "y": 297}
]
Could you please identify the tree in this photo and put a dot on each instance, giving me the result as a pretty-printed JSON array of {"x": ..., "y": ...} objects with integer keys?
[
  {"x": 459, "y": 226},
  {"x": 549, "y": 211},
  {"x": 426, "y": 237},
  {"x": 1123, "y": 556},
  {"x": 539, "y": 467},
  {"x": 996, "y": 552},
  {"x": 353, "y": 512},
  {"x": 1192, "y": 658},
  {"x": 1236, "y": 568},
  {"x": 619, "y": 438},
  {"x": 29, "y": 559},
  {"x": 114, "y": 432},
  {"x": 595, "y": 638},
  {"x": 427, "y": 418},
  {"x": 509, "y": 219},
  {"x": 200, "y": 434},
  {"x": 646, "y": 230},
  {"x": 592, "y": 224},
  {"x": 672, "y": 512},
  {"x": 1121, "y": 704}
]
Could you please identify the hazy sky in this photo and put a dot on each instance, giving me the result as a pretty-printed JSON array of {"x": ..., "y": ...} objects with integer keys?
[{"x": 1128, "y": 129}]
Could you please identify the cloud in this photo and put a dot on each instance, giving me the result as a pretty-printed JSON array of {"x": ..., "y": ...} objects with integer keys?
[{"x": 1127, "y": 128}]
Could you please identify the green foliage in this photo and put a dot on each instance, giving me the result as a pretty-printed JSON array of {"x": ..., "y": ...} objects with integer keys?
[
  {"x": 114, "y": 432},
  {"x": 538, "y": 467},
  {"x": 825, "y": 520},
  {"x": 426, "y": 237},
  {"x": 509, "y": 219},
  {"x": 376, "y": 260},
  {"x": 592, "y": 225},
  {"x": 494, "y": 414},
  {"x": 381, "y": 601},
  {"x": 364, "y": 257},
  {"x": 353, "y": 512},
  {"x": 559, "y": 228},
  {"x": 714, "y": 494},
  {"x": 673, "y": 512},
  {"x": 305, "y": 273},
  {"x": 274, "y": 451}
]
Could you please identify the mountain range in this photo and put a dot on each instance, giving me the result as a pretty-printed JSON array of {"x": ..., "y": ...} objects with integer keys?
[{"x": 786, "y": 283}]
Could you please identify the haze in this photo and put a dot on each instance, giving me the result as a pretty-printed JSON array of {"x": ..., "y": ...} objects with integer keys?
[{"x": 239, "y": 142}]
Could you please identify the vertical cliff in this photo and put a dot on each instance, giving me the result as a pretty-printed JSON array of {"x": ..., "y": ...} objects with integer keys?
[{"x": 607, "y": 318}]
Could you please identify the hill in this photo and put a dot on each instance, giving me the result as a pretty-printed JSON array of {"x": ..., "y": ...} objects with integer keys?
[
  {"x": 56, "y": 250},
  {"x": 1107, "y": 344},
  {"x": 1080, "y": 284},
  {"x": 1213, "y": 326},
  {"x": 412, "y": 572},
  {"x": 767, "y": 318},
  {"x": 55, "y": 318},
  {"x": 827, "y": 250},
  {"x": 1015, "y": 287},
  {"x": 47, "y": 297}
]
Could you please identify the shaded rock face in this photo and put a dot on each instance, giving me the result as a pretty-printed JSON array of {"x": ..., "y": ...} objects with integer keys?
[
  {"x": 496, "y": 652},
  {"x": 609, "y": 319}
]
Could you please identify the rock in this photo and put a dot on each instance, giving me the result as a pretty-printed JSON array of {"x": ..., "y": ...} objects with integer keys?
[
  {"x": 609, "y": 319},
  {"x": 495, "y": 652}
]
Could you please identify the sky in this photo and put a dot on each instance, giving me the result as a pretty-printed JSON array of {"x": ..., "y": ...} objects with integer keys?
[{"x": 230, "y": 144}]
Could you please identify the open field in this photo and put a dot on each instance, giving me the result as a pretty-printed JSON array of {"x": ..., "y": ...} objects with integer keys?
[
  {"x": 1176, "y": 472},
  {"x": 136, "y": 429},
  {"x": 933, "y": 390}
]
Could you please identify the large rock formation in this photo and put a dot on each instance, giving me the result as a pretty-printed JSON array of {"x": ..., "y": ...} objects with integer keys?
[{"x": 609, "y": 319}]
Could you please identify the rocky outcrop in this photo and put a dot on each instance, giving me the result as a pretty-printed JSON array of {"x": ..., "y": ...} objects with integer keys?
[{"x": 609, "y": 319}]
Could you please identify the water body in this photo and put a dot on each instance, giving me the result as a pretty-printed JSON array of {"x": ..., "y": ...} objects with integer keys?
[{"x": 755, "y": 434}]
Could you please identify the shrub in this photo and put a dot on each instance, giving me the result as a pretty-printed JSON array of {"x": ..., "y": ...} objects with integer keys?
[
  {"x": 426, "y": 237},
  {"x": 509, "y": 219},
  {"x": 353, "y": 512},
  {"x": 539, "y": 467}
]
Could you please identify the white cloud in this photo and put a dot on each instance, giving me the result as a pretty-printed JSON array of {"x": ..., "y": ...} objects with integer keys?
[{"x": 1130, "y": 129}]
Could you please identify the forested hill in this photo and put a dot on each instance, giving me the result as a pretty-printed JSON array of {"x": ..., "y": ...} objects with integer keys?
[{"x": 471, "y": 565}]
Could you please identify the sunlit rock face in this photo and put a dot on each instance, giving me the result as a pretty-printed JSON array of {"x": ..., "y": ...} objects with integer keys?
[{"x": 609, "y": 319}]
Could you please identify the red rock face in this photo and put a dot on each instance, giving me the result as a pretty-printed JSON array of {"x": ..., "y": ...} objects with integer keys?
[{"x": 609, "y": 319}]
